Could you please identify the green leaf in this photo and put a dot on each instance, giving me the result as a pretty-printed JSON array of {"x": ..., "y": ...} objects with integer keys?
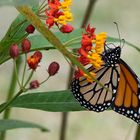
[
  {"x": 54, "y": 101},
  {"x": 40, "y": 43},
  {"x": 18, "y": 2},
  {"x": 15, "y": 34},
  {"x": 13, "y": 124},
  {"x": 72, "y": 40},
  {"x": 112, "y": 39}
]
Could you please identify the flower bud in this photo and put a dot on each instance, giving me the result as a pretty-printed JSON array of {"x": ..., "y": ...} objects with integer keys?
[
  {"x": 34, "y": 60},
  {"x": 53, "y": 68},
  {"x": 25, "y": 45},
  {"x": 38, "y": 54},
  {"x": 14, "y": 51},
  {"x": 34, "y": 84},
  {"x": 66, "y": 28},
  {"x": 30, "y": 29}
]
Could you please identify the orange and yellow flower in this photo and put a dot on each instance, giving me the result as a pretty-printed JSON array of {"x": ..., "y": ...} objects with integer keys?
[
  {"x": 92, "y": 46},
  {"x": 59, "y": 14}
]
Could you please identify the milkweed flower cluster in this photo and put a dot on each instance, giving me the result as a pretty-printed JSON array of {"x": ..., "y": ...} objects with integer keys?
[
  {"x": 59, "y": 14},
  {"x": 92, "y": 46},
  {"x": 33, "y": 61}
]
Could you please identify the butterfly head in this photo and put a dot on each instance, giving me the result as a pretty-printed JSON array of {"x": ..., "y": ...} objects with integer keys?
[{"x": 111, "y": 56}]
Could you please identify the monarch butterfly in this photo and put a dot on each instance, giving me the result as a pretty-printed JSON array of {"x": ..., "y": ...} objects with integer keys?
[{"x": 119, "y": 78}]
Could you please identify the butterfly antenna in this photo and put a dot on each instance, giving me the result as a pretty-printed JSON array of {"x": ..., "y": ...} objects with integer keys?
[
  {"x": 123, "y": 41},
  {"x": 118, "y": 32}
]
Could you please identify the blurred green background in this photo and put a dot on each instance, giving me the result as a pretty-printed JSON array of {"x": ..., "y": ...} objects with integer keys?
[{"x": 81, "y": 125}]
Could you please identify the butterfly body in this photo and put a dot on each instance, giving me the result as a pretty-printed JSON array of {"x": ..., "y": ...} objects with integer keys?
[
  {"x": 123, "y": 95},
  {"x": 111, "y": 56}
]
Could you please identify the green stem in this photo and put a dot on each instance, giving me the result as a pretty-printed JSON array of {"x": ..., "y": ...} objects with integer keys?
[
  {"x": 29, "y": 78},
  {"x": 3, "y": 135},
  {"x": 6, "y": 105},
  {"x": 65, "y": 114},
  {"x": 41, "y": 27},
  {"x": 64, "y": 122},
  {"x": 44, "y": 80},
  {"x": 137, "y": 137},
  {"x": 67, "y": 43},
  {"x": 88, "y": 11},
  {"x": 12, "y": 88},
  {"x": 133, "y": 46},
  {"x": 10, "y": 95},
  {"x": 23, "y": 76},
  {"x": 16, "y": 73}
]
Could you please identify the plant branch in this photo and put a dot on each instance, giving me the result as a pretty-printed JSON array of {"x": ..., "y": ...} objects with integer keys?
[
  {"x": 88, "y": 12},
  {"x": 10, "y": 95},
  {"x": 63, "y": 127},
  {"x": 29, "y": 78},
  {"x": 41, "y": 27},
  {"x": 6, "y": 105},
  {"x": 137, "y": 137},
  {"x": 44, "y": 80},
  {"x": 24, "y": 70},
  {"x": 64, "y": 120},
  {"x": 16, "y": 73}
]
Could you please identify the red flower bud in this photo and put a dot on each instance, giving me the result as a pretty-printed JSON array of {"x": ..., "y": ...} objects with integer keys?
[
  {"x": 66, "y": 28},
  {"x": 30, "y": 29},
  {"x": 34, "y": 60},
  {"x": 34, "y": 84},
  {"x": 26, "y": 45},
  {"x": 14, "y": 51},
  {"x": 38, "y": 55},
  {"x": 53, "y": 68}
]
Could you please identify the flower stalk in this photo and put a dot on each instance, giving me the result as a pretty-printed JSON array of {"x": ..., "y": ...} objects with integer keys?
[
  {"x": 16, "y": 73},
  {"x": 24, "y": 69},
  {"x": 7, "y": 104}
]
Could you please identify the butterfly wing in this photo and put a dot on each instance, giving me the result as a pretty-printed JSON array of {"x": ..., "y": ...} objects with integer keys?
[
  {"x": 91, "y": 95},
  {"x": 127, "y": 100}
]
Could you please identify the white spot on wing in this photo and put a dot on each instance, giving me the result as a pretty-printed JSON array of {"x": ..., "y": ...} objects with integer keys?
[
  {"x": 131, "y": 111},
  {"x": 139, "y": 96},
  {"x": 139, "y": 111},
  {"x": 108, "y": 104},
  {"x": 128, "y": 111},
  {"x": 135, "y": 114}
]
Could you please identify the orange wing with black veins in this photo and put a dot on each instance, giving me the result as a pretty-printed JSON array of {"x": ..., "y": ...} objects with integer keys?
[{"x": 127, "y": 100}]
